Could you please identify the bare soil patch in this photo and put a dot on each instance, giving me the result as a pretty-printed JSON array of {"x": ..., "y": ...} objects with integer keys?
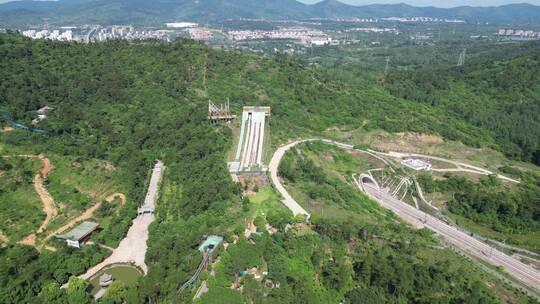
[{"x": 48, "y": 202}]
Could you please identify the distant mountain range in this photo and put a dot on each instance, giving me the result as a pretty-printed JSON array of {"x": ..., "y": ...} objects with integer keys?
[{"x": 156, "y": 12}]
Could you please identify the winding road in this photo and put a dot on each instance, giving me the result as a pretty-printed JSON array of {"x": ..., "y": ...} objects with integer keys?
[{"x": 468, "y": 244}]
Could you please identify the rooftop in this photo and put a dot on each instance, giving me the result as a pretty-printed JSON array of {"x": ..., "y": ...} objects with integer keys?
[
  {"x": 211, "y": 242},
  {"x": 79, "y": 232},
  {"x": 266, "y": 110}
]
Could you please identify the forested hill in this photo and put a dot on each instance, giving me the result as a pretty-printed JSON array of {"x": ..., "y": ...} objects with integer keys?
[
  {"x": 501, "y": 96},
  {"x": 93, "y": 86},
  {"x": 132, "y": 103},
  {"x": 155, "y": 13}
]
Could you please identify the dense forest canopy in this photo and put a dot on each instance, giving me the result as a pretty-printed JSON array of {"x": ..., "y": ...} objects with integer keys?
[
  {"x": 501, "y": 96},
  {"x": 133, "y": 103}
]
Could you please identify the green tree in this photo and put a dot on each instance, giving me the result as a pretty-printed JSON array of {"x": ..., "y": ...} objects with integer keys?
[
  {"x": 76, "y": 291},
  {"x": 116, "y": 293},
  {"x": 52, "y": 293}
]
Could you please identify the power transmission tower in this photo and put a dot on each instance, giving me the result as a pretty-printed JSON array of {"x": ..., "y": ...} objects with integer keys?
[
  {"x": 461, "y": 61},
  {"x": 387, "y": 64}
]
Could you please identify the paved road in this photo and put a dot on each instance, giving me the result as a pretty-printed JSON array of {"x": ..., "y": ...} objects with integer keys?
[
  {"x": 273, "y": 168},
  {"x": 462, "y": 167},
  {"x": 288, "y": 201},
  {"x": 153, "y": 186},
  {"x": 132, "y": 249},
  {"x": 524, "y": 273}
]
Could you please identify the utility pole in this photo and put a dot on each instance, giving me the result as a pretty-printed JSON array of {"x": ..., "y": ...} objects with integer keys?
[
  {"x": 461, "y": 61},
  {"x": 387, "y": 64}
]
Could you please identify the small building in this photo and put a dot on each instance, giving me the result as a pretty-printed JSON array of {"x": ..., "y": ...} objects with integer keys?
[
  {"x": 253, "y": 109},
  {"x": 41, "y": 114},
  {"x": 211, "y": 243},
  {"x": 416, "y": 164},
  {"x": 80, "y": 234}
]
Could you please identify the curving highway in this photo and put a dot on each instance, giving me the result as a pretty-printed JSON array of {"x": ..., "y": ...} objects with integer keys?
[
  {"x": 524, "y": 273},
  {"x": 463, "y": 241},
  {"x": 288, "y": 201}
]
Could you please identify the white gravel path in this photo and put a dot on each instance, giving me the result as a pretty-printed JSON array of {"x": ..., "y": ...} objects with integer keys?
[{"x": 132, "y": 249}]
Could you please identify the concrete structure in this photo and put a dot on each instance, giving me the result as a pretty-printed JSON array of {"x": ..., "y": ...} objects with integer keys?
[
  {"x": 416, "y": 164},
  {"x": 41, "y": 114},
  {"x": 105, "y": 280},
  {"x": 80, "y": 234},
  {"x": 211, "y": 243},
  {"x": 153, "y": 187},
  {"x": 132, "y": 249},
  {"x": 249, "y": 152}
]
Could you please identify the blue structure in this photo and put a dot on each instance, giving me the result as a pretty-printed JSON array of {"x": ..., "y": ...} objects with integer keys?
[
  {"x": 211, "y": 243},
  {"x": 15, "y": 124}
]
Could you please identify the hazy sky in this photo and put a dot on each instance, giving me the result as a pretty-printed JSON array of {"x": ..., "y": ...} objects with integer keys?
[{"x": 440, "y": 3}]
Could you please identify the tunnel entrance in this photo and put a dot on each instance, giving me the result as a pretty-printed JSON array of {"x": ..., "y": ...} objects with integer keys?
[{"x": 367, "y": 179}]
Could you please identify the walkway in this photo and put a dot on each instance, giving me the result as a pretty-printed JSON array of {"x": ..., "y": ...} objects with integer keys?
[
  {"x": 462, "y": 167},
  {"x": 132, "y": 249}
]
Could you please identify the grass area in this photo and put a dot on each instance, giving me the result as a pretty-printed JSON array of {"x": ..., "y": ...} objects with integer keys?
[
  {"x": 126, "y": 274},
  {"x": 344, "y": 162},
  {"x": 437, "y": 146},
  {"x": 75, "y": 184},
  {"x": 267, "y": 199},
  {"x": 338, "y": 164},
  {"x": 20, "y": 204},
  {"x": 429, "y": 145}
]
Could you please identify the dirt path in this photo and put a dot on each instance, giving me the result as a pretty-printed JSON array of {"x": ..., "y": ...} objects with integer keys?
[
  {"x": 86, "y": 214},
  {"x": 132, "y": 248},
  {"x": 48, "y": 202}
]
